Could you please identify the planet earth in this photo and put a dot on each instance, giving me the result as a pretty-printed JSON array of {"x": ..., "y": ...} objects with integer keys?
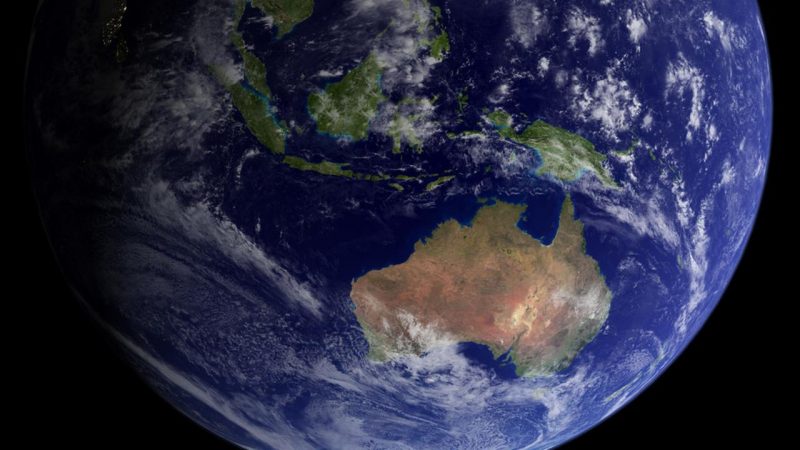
[{"x": 399, "y": 223}]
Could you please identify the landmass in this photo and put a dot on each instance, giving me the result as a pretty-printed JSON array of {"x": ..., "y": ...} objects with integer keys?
[
  {"x": 628, "y": 151},
  {"x": 335, "y": 169},
  {"x": 258, "y": 117},
  {"x": 500, "y": 119},
  {"x": 440, "y": 46},
  {"x": 437, "y": 12},
  {"x": 255, "y": 72},
  {"x": 402, "y": 129},
  {"x": 346, "y": 107},
  {"x": 489, "y": 283},
  {"x": 331, "y": 169},
  {"x": 463, "y": 101},
  {"x": 285, "y": 14},
  {"x": 438, "y": 182},
  {"x": 343, "y": 108},
  {"x": 409, "y": 121},
  {"x": 114, "y": 14},
  {"x": 412, "y": 119},
  {"x": 565, "y": 156},
  {"x": 251, "y": 96}
]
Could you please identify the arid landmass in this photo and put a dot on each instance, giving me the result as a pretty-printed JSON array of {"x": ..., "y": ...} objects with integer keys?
[{"x": 489, "y": 283}]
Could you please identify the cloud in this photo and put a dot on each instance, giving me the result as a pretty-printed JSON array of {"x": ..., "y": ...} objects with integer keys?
[
  {"x": 583, "y": 27},
  {"x": 716, "y": 27},
  {"x": 268, "y": 429},
  {"x": 543, "y": 66},
  {"x": 196, "y": 223},
  {"x": 644, "y": 216},
  {"x": 683, "y": 78},
  {"x": 636, "y": 27},
  {"x": 398, "y": 48},
  {"x": 528, "y": 22},
  {"x": 611, "y": 102}
]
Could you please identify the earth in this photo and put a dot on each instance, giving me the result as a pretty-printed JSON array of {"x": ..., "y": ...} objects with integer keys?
[{"x": 399, "y": 223}]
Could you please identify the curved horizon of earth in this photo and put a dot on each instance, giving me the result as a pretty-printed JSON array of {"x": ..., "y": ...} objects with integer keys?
[{"x": 399, "y": 223}]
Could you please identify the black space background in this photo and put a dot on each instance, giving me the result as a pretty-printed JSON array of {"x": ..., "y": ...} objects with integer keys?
[{"x": 68, "y": 389}]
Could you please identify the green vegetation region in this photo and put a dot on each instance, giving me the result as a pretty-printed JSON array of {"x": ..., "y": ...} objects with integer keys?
[
  {"x": 252, "y": 99},
  {"x": 440, "y": 46},
  {"x": 257, "y": 116},
  {"x": 330, "y": 168},
  {"x": 628, "y": 151},
  {"x": 255, "y": 72},
  {"x": 564, "y": 155},
  {"x": 402, "y": 129},
  {"x": 500, "y": 119},
  {"x": 437, "y": 13},
  {"x": 345, "y": 108},
  {"x": 335, "y": 169},
  {"x": 438, "y": 182},
  {"x": 407, "y": 120},
  {"x": 286, "y": 13},
  {"x": 413, "y": 113},
  {"x": 465, "y": 134},
  {"x": 463, "y": 101}
]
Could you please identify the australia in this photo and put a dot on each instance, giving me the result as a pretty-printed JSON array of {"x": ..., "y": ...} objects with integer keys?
[{"x": 490, "y": 283}]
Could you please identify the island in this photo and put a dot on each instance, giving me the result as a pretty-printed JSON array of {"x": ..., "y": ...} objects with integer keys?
[
  {"x": 410, "y": 118},
  {"x": 346, "y": 107},
  {"x": 251, "y": 95},
  {"x": 285, "y": 14},
  {"x": 490, "y": 283},
  {"x": 440, "y": 46},
  {"x": 331, "y": 169},
  {"x": 112, "y": 14},
  {"x": 255, "y": 72},
  {"x": 565, "y": 156}
]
